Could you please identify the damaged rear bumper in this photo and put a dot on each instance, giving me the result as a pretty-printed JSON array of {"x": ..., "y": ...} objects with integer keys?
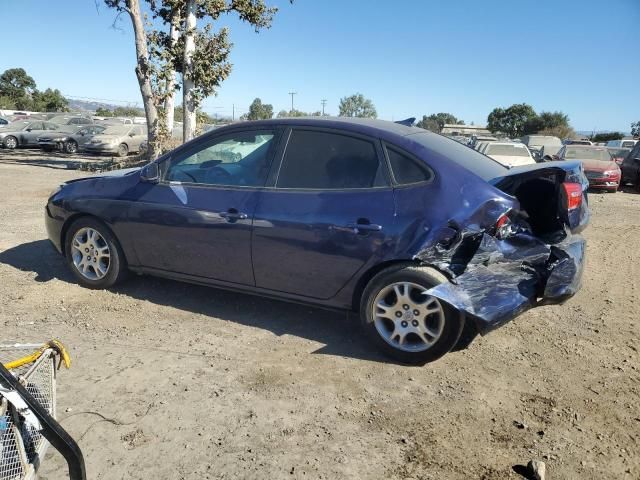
[{"x": 507, "y": 277}]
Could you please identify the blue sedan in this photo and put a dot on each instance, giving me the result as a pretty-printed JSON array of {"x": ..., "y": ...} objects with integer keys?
[{"x": 430, "y": 241}]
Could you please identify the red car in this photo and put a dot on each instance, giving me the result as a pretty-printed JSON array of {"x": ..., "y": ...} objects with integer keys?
[{"x": 599, "y": 166}]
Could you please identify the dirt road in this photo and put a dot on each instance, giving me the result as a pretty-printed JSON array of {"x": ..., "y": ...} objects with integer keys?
[{"x": 200, "y": 383}]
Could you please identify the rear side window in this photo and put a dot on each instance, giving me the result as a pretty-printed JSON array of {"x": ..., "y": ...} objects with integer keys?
[
  {"x": 329, "y": 161},
  {"x": 406, "y": 170}
]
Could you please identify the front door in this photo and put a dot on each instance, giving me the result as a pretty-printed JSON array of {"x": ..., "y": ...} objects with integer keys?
[
  {"x": 330, "y": 213},
  {"x": 197, "y": 220}
]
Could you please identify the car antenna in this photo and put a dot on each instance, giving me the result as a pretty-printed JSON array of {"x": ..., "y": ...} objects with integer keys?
[{"x": 408, "y": 121}]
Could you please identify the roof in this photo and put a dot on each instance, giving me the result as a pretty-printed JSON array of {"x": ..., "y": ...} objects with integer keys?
[{"x": 363, "y": 125}]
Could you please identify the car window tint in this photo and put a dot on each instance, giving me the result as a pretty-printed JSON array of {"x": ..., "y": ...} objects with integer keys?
[
  {"x": 235, "y": 159},
  {"x": 36, "y": 126},
  {"x": 322, "y": 160},
  {"x": 407, "y": 170}
]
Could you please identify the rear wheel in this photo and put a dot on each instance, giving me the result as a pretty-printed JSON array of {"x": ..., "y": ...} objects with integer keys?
[
  {"x": 403, "y": 321},
  {"x": 71, "y": 146},
  {"x": 93, "y": 254},
  {"x": 10, "y": 142},
  {"x": 123, "y": 150}
]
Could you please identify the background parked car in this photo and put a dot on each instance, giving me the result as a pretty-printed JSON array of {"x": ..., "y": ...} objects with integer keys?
[
  {"x": 508, "y": 153},
  {"x": 474, "y": 140},
  {"x": 631, "y": 168},
  {"x": 118, "y": 139},
  {"x": 24, "y": 134},
  {"x": 618, "y": 153},
  {"x": 599, "y": 167},
  {"x": 70, "y": 120},
  {"x": 624, "y": 143},
  {"x": 577, "y": 142},
  {"x": 542, "y": 147},
  {"x": 3, "y": 121},
  {"x": 69, "y": 138}
]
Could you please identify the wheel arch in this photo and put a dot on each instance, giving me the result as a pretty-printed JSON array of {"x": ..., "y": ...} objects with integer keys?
[
  {"x": 365, "y": 278},
  {"x": 69, "y": 221}
]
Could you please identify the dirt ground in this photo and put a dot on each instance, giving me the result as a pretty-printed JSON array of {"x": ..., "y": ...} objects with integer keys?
[{"x": 175, "y": 381}]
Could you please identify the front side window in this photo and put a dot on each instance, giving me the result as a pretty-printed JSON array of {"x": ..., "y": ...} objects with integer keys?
[
  {"x": 406, "y": 170},
  {"x": 236, "y": 159},
  {"x": 329, "y": 161},
  {"x": 36, "y": 126}
]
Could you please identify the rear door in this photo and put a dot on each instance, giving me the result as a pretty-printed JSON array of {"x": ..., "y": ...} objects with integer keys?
[{"x": 330, "y": 214}]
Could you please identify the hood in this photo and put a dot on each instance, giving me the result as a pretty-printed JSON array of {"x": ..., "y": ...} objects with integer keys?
[
  {"x": 598, "y": 165},
  {"x": 512, "y": 160},
  {"x": 104, "y": 138},
  {"x": 111, "y": 174}
]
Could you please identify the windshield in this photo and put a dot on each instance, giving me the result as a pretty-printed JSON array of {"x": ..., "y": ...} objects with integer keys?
[
  {"x": 483, "y": 166},
  {"x": 68, "y": 128},
  {"x": 544, "y": 141},
  {"x": 587, "y": 154},
  {"x": 117, "y": 130},
  {"x": 628, "y": 143},
  {"x": 510, "y": 150}
]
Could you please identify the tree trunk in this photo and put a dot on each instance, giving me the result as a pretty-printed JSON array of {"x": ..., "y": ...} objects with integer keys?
[
  {"x": 188, "y": 101},
  {"x": 169, "y": 103},
  {"x": 144, "y": 77}
]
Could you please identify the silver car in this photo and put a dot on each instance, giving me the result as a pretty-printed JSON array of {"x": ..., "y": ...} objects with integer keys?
[
  {"x": 24, "y": 133},
  {"x": 118, "y": 139},
  {"x": 69, "y": 138},
  {"x": 71, "y": 120}
]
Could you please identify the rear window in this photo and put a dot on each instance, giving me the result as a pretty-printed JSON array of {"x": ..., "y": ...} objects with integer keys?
[
  {"x": 328, "y": 161},
  {"x": 406, "y": 170},
  {"x": 510, "y": 150},
  {"x": 483, "y": 166},
  {"x": 587, "y": 154},
  {"x": 628, "y": 144}
]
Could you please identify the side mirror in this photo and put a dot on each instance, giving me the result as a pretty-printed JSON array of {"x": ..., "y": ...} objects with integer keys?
[
  {"x": 132, "y": 134},
  {"x": 150, "y": 173},
  {"x": 28, "y": 129}
]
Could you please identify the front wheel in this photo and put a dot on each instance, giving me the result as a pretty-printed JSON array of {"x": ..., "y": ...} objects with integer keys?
[
  {"x": 71, "y": 146},
  {"x": 403, "y": 321},
  {"x": 93, "y": 254},
  {"x": 123, "y": 150},
  {"x": 10, "y": 142}
]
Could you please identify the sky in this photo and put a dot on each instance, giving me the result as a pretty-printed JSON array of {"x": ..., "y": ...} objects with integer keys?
[{"x": 410, "y": 57}]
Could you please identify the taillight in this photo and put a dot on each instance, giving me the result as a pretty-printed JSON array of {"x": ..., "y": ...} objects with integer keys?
[
  {"x": 503, "y": 226},
  {"x": 573, "y": 192}
]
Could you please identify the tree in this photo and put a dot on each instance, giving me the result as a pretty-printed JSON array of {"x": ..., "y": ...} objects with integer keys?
[
  {"x": 429, "y": 123},
  {"x": 144, "y": 70},
  {"x": 436, "y": 122},
  {"x": 635, "y": 129},
  {"x": 205, "y": 57},
  {"x": 357, "y": 106},
  {"x": 605, "y": 137},
  {"x": 16, "y": 84},
  {"x": 259, "y": 111},
  {"x": 562, "y": 131},
  {"x": 511, "y": 121},
  {"x": 50, "y": 101},
  {"x": 103, "y": 112}
]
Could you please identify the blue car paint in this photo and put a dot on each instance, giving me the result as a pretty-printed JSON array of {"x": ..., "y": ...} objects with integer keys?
[{"x": 299, "y": 245}]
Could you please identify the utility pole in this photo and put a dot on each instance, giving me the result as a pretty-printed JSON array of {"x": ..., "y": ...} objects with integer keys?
[
  {"x": 292, "y": 94},
  {"x": 323, "y": 102},
  {"x": 233, "y": 112}
]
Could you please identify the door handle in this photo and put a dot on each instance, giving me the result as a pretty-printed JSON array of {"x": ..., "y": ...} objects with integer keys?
[{"x": 233, "y": 214}]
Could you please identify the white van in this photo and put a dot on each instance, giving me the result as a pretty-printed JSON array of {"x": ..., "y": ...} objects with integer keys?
[{"x": 624, "y": 143}]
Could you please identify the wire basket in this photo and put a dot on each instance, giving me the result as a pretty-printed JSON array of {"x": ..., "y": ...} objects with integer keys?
[{"x": 22, "y": 445}]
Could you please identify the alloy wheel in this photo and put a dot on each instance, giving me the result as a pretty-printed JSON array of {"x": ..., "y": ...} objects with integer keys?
[
  {"x": 90, "y": 253},
  {"x": 11, "y": 142},
  {"x": 407, "y": 318}
]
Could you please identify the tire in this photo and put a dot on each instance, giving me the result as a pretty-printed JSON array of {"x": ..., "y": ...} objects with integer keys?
[
  {"x": 10, "y": 142},
  {"x": 95, "y": 271},
  {"x": 123, "y": 150},
  {"x": 441, "y": 328},
  {"x": 71, "y": 147}
]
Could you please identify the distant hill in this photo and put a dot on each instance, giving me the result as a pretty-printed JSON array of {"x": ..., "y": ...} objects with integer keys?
[{"x": 87, "y": 106}]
